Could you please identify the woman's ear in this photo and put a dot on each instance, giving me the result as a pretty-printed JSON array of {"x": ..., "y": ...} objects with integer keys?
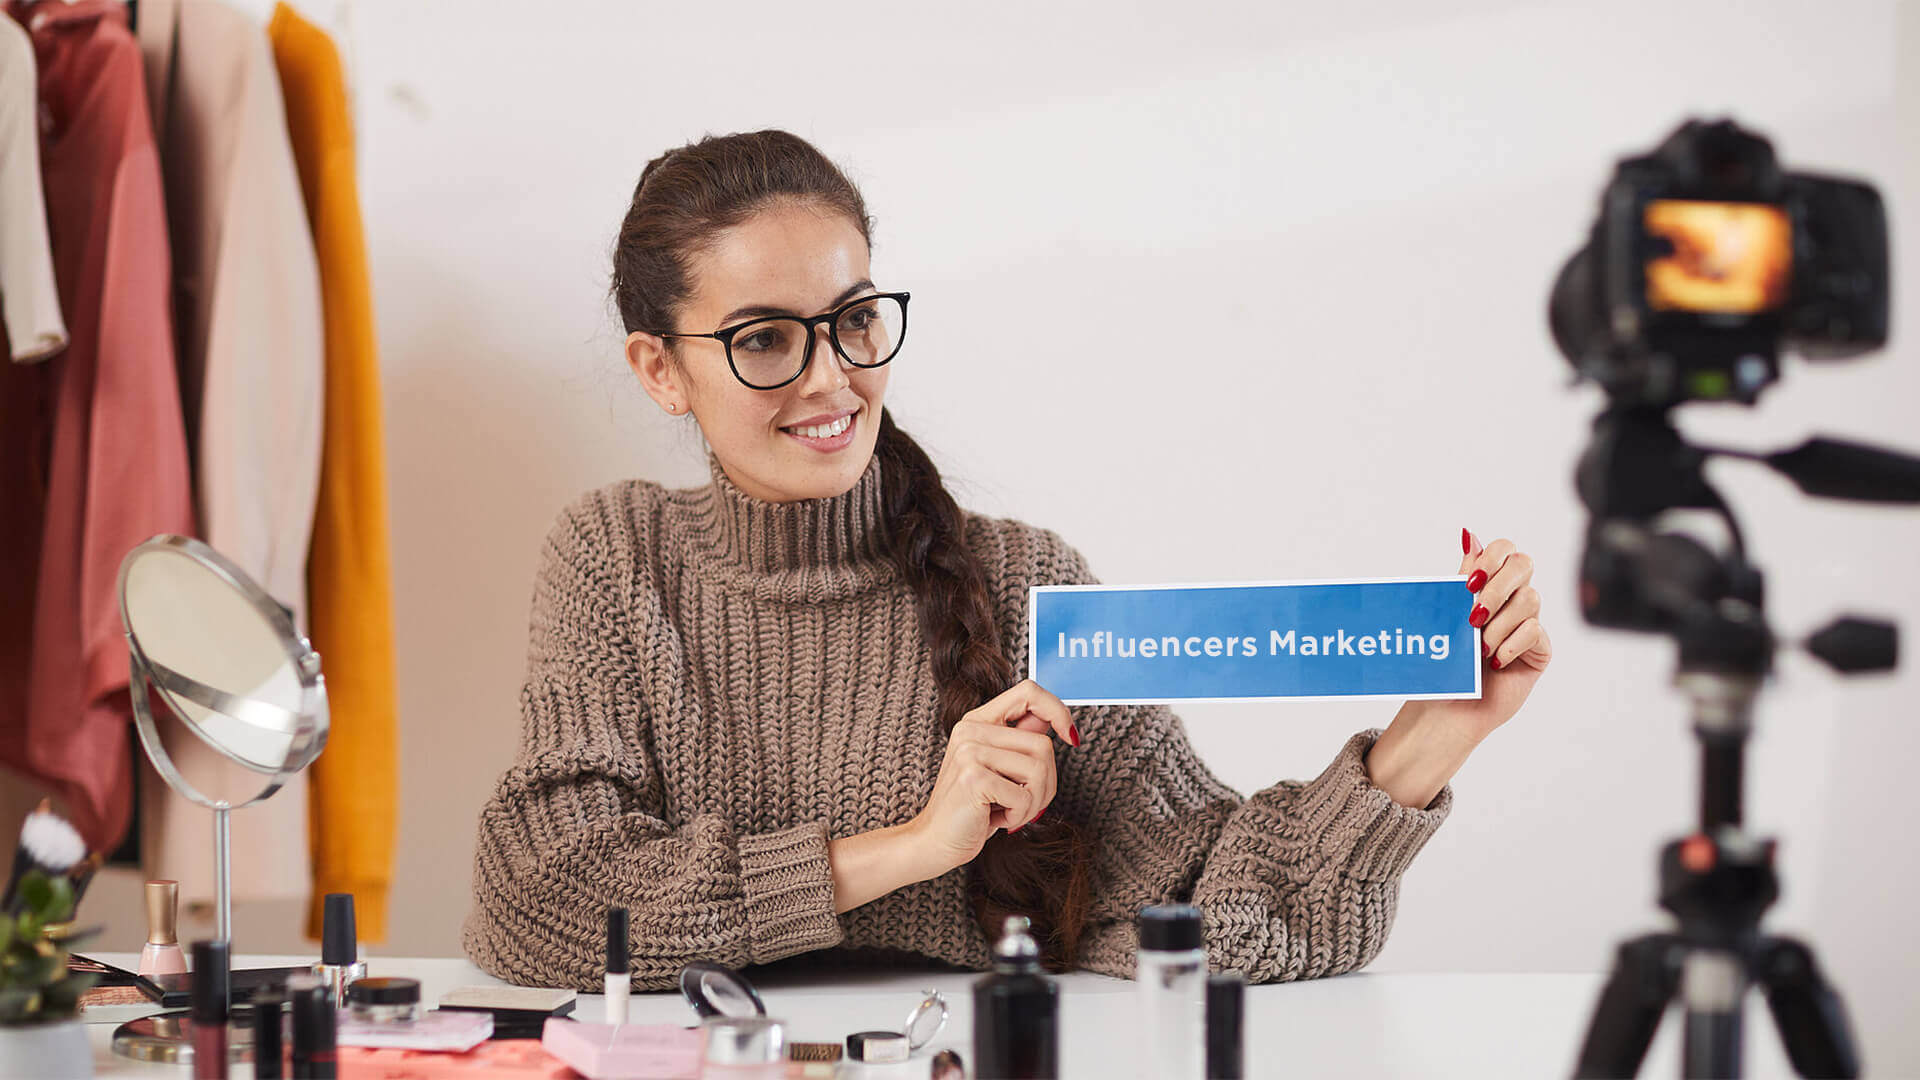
[{"x": 647, "y": 356}]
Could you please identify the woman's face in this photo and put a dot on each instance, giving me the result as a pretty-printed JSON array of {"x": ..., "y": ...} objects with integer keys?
[{"x": 791, "y": 259}]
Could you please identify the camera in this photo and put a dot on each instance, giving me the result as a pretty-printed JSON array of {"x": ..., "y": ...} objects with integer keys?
[{"x": 1706, "y": 257}]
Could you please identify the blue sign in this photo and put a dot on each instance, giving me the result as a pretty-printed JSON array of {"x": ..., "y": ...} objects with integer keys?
[{"x": 1250, "y": 641}]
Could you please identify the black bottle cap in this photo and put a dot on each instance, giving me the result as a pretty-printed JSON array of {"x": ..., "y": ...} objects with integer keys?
[
  {"x": 1225, "y": 1000},
  {"x": 1170, "y": 928},
  {"x": 208, "y": 988},
  {"x": 384, "y": 991},
  {"x": 339, "y": 943},
  {"x": 617, "y": 951}
]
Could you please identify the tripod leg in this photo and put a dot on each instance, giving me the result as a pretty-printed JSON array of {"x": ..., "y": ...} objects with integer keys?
[
  {"x": 1646, "y": 972},
  {"x": 1807, "y": 1010}
]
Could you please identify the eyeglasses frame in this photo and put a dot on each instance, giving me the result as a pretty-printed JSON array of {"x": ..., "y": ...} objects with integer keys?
[{"x": 726, "y": 335}]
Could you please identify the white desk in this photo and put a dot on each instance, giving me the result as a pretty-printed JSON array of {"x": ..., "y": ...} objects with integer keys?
[{"x": 1359, "y": 1025}]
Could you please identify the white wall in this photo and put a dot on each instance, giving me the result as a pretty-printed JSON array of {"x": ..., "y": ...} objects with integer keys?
[{"x": 1216, "y": 291}]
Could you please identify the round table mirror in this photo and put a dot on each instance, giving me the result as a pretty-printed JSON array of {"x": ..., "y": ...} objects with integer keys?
[{"x": 216, "y": 660}]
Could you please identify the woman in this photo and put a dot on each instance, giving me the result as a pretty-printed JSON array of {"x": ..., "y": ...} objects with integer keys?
[{"x": 780, "y": 715}]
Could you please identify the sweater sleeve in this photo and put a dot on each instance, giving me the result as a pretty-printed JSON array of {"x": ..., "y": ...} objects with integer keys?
[
  {"x": 577, "y": 824},
  {"x": 1297, "y": 881}
]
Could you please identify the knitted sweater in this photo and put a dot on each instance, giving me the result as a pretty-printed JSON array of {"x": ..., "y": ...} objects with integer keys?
[{"x": 716, "y": 685}]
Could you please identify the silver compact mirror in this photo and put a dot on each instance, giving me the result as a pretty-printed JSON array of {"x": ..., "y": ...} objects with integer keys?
[
  {"x": 926, "y": 1020},
  {"x": 717, "y": 990}
]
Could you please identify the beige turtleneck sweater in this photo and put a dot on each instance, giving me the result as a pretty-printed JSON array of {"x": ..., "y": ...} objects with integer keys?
[{"x": 716, "y": 685}]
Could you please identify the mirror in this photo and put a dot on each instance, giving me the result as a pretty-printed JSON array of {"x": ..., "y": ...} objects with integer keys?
[{"x": 227, "y": 667}]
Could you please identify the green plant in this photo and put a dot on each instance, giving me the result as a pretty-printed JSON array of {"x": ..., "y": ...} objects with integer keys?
[{"x": 35, "y": 985}]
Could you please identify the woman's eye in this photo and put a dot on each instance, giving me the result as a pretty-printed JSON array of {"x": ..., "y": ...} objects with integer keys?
[
  {"x": 857, "y": 320},
  {"x": 758, "y": 341}
]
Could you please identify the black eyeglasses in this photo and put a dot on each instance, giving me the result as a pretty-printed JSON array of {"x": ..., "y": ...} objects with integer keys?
[{"x": 769, "y": 353}]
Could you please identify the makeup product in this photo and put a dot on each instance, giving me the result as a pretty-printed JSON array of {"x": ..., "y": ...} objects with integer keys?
[
  {"x": 437, "y": 1030},
  {"x": 813, "y": 1051},
  {"x": 1170, "y": 977},
  {"x": 162, "y": 955},
  {"x": 269, "y": 1021},
  {"x": 877, "y": 1047},
  {"x": 1016, "y": 1011},
  {"x": 1226, "y": 995},
  {"x": 313, "y": 1027},
  {"x": 340, "y": 961},
  {"x": 623, "y": 1051},
  {"x": 383, "y": 1000},
  {"x": 717, "y": 990},
  {"x": 619, "y": 977},
  {"x": 947, "y": 1066},
  {"x": 746, "y": 1046},
  {"x": 929, "y": 1015},
  {"x": 209, "y": 1010},
  {"x": 519, "y": 1012},
  {"x": 48, "y": 844}
]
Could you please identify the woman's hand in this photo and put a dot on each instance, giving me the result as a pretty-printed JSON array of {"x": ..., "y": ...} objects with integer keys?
[
  {"x": 1507, "y": 610},
  {"x": 1428, "y": 741},
  {"x": 998, "y": 773}
]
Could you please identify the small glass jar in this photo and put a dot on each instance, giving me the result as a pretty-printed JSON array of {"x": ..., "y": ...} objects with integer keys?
[
  {"x": 384, "y": 1000},
  {"x": 739, "y": 1047}
]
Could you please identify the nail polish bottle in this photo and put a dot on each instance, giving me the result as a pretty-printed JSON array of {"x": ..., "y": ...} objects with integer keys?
[
  {"x": 162, "y": 955},
  {"x": 1016, "y": 1011},
  {"x": 340, "y": 964}
]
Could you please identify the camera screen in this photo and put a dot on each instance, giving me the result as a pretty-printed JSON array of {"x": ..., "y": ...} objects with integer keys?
[{"x": 1721, "y": 257}]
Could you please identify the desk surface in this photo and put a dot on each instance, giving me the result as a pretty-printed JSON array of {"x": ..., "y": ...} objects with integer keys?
[{"x": 1360, "y": 1025}]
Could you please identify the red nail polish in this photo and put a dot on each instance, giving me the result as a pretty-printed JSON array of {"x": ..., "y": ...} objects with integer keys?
[
  {"x": 1477, "y": 579},
  {"x": 1478, "y": 616},
  {"x": 1041, "y": 814},
  {"x": 1073, "y": 733},
  {"x": 1496, "y": 663},
  {"x": 1466, "y": 542},
  {"x": 1485, "y": 649}
]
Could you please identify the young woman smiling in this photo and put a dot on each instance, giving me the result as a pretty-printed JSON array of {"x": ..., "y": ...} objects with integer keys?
[{"x": 781, "y": 715}]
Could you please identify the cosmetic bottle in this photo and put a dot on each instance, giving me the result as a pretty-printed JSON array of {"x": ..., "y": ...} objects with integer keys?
[
  {"x": 269, "y": 1016},
  {"x": 619, "y": 982},
  {"x": 207, "y": 1005},
  {"x": 1016, "y": 1011},
  {"x": 1170, "y": 977},
  {"x": 314, "y": 1023},
  {"x": 1226, "y": 1004},
  {"x": 744, "y": 1048},
  {"x": 340, "y": 961},
  {"x": 162, "y": 955}
]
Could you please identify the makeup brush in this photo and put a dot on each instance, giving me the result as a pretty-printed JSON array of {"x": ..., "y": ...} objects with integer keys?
[{"x": 47, "y": 843}]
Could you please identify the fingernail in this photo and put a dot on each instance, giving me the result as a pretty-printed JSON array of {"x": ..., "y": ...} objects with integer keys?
[
  {"x": 1485, "y": 649},
  {"x": 1073, "y": 733},
  {"x": 1466, "y": 542},
  {"x": 1496, "y": 663},
  {"x": 1477, "y": 579},
  {"x": 1478, "y": 616}
]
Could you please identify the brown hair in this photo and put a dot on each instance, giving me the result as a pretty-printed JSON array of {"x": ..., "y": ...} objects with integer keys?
[{"x": 685, "y": 199}]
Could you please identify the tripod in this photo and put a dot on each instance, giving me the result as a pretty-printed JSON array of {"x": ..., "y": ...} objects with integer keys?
[{"x": 1720, "y": 880}]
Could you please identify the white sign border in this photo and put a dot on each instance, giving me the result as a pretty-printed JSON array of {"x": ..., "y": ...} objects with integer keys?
[{"x": 1033, "y": 641}]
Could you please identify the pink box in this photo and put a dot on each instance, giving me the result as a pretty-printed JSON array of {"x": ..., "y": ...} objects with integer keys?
[{"x": 626, "y": 1051}]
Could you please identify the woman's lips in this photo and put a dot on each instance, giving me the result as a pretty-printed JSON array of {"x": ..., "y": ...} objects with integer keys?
[{"x": 828, "y": 446}]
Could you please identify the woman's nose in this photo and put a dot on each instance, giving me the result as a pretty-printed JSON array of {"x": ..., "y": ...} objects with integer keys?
[{"x": 826, "y": 372}]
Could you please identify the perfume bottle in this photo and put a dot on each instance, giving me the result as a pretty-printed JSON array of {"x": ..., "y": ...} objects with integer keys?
[
  {"x": 162, "y": 955},
  {"x": 1016, "y": 1011}
]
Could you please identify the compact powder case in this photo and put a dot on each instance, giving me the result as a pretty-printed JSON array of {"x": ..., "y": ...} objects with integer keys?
[{"x": 925, "y": 1022}]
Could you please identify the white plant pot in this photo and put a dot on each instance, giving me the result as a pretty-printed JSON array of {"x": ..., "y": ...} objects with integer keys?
[{"x": 59, "y": 1051}]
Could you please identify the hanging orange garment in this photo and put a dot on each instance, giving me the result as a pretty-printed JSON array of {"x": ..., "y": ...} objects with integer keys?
[{"x": 352, "y": 798}]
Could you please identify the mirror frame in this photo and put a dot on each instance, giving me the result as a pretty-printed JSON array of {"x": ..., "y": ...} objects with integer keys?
[{"x": 309, "y": 725}]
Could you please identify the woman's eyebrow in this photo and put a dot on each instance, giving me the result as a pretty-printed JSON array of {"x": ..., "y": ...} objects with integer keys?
[{"x": 765, "y": 309}]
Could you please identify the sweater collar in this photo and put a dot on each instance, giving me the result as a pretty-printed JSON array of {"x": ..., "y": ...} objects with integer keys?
[{"x": 839, "y": 535}]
